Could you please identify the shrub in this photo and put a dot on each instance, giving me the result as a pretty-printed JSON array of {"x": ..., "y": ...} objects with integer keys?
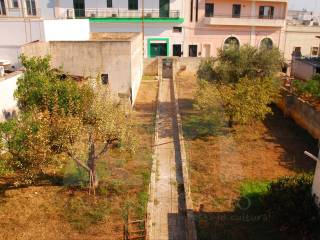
[
  {"x": 310, "y": 88},
  {"x": 291, "y": 204}
]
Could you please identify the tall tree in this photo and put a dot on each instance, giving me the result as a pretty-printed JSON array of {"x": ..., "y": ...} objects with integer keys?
[{"x": 86, "y": 138}]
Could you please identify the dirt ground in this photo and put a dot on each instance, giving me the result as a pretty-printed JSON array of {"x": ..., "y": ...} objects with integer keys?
[
  {"x": 220, "y": 160},
  {"x": 53, "y": 211}
]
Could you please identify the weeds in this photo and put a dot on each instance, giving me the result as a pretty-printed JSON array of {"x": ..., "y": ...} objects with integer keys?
[{"x": 82, "y": 212}]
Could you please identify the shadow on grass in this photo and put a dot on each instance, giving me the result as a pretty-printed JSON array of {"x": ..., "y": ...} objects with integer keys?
[
  {"x": 293, "y": 139},
  {"x": 254, "y": 219},
  {"x": 201, "y": 126}
]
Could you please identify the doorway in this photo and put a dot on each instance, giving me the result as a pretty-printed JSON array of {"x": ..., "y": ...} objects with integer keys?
[
  {"x": 164, "y": 8},
  {"x": 176, "y": 50},
  {"x": 79, "y": 8},
  {"x": 167, "y": 68},
  {"x": 158, "y": 50},
  {"x": 193, "y": 50}
]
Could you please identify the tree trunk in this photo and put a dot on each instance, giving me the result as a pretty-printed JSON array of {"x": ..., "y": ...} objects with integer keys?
[
  {"x": 230, "y": 122},
  {"x": 94, "y": 182}
]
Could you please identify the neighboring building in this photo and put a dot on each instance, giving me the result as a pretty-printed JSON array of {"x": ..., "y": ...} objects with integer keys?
[
  {"x": 187, "y": 28},
  {"x": 301, "y": 41},
  {"x": 305, "y": 68},
  {"x": 303, "y": 17},
  {"x": 8, "y": 104},
  {"x": 116, "y": 57},
  {"x": 20, "y": 23},
  {"x": 161, "y": 21},
  {"x": 211, "y": 24}
]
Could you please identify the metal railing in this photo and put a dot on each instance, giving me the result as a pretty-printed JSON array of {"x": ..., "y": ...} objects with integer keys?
[
  {"x": 120, "y": 13},
  {"x": 270, "y": 17}
]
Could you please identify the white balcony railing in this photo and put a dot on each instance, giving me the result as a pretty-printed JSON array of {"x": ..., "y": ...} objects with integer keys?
[
  {"x": 258, "y": 21},
  {"x": 120, "y": 13}
]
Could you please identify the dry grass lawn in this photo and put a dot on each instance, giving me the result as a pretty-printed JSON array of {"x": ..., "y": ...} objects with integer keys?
[
  {"x": 54, "y": 211},
  {"x": 222, "y": 160}
]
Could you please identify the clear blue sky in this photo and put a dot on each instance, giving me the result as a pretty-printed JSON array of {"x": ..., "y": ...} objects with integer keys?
[{"x": 312, "y": 5}]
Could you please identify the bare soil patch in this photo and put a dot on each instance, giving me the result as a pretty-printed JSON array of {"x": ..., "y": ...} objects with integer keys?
[{"x": 221, "y": 160}]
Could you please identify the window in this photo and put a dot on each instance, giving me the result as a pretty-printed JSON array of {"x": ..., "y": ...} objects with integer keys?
[
  {"x": 133, "y": 4},
  {"x": 105, "y": 79},
  {"x": 231, "y": 42},
  {"x": 193, "y": 50},
  {"x": 266, "y": 43},
  {"x": 266, "y": 12},
  {"x": 314, "y": 51},
  {"x": 297, "y": 52},
  {"x": 177, "y": 29},
  {"x": 2, "y": 8},
  {"x": 15, "y": 3},
  {"x": 236, "y": 10},
  {"x": 209, "y": 10},
  {"x": 109, "y": 3},
  {"x": 31, "y": 7},
  {"x": 177, "y": 50}
]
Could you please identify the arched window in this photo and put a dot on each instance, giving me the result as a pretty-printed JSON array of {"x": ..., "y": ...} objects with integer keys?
[
  {"x": 266, "y": 43},
  {"x": 231, "y": 42}
]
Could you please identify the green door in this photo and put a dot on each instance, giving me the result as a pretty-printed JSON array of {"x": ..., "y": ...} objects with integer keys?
[
  {"x": 158, "y": 49},
  {"x": 164, "y": 8}
]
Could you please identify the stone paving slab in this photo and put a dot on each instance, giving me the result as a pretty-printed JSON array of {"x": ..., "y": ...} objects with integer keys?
[{"x": 168, "y": 214}]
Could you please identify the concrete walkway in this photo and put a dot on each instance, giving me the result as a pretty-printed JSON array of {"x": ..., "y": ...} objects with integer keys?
[{"x": 168, "y": 214}]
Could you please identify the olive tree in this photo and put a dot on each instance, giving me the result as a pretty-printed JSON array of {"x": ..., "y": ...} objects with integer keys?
[
  {"x": 239, "y": 83},
  {"x": 88, "y": 137},
  {"x": 60, "y": 118}
]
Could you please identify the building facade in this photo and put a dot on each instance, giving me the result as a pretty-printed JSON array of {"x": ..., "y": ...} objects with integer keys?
[
  {"x": 160, "y": 21},
  {"x": 186, "y": 28},
  {"x": 211, "y": 24}
]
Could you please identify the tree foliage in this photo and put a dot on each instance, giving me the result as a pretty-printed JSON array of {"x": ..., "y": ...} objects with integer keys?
[
  {"x": 61, "y": 118},
  {"x": 239, "y": 83},
  {"x": 44, "y": 88}
]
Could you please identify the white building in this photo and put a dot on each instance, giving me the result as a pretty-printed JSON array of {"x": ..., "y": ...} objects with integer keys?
[{"x": 23, "y": 21}]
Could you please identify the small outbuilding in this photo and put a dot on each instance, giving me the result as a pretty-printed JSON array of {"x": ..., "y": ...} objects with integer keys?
[{"x": 116, "y": 57}]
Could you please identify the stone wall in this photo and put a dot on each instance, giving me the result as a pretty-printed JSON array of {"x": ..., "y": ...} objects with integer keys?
[
  {"x": 183, "y": 64},
  {"x": 150, "y": 67},
  {"x": 302, "y": 69},
  {"x": 189, "y": 64},
  {"x": 301, "y": 112},
  {"x": 120, "y": 59},
  {"x": 36, "y": 49}
]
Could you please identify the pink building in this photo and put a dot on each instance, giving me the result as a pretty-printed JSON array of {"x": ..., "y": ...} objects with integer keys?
[{"x": 209, "y": 24}]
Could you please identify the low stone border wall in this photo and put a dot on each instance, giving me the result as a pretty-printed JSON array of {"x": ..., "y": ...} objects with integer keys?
[
  {"x": 190, "y": 218},
  {"x": 303, "y": 113},
  {"x": 153, "y": 176}
]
